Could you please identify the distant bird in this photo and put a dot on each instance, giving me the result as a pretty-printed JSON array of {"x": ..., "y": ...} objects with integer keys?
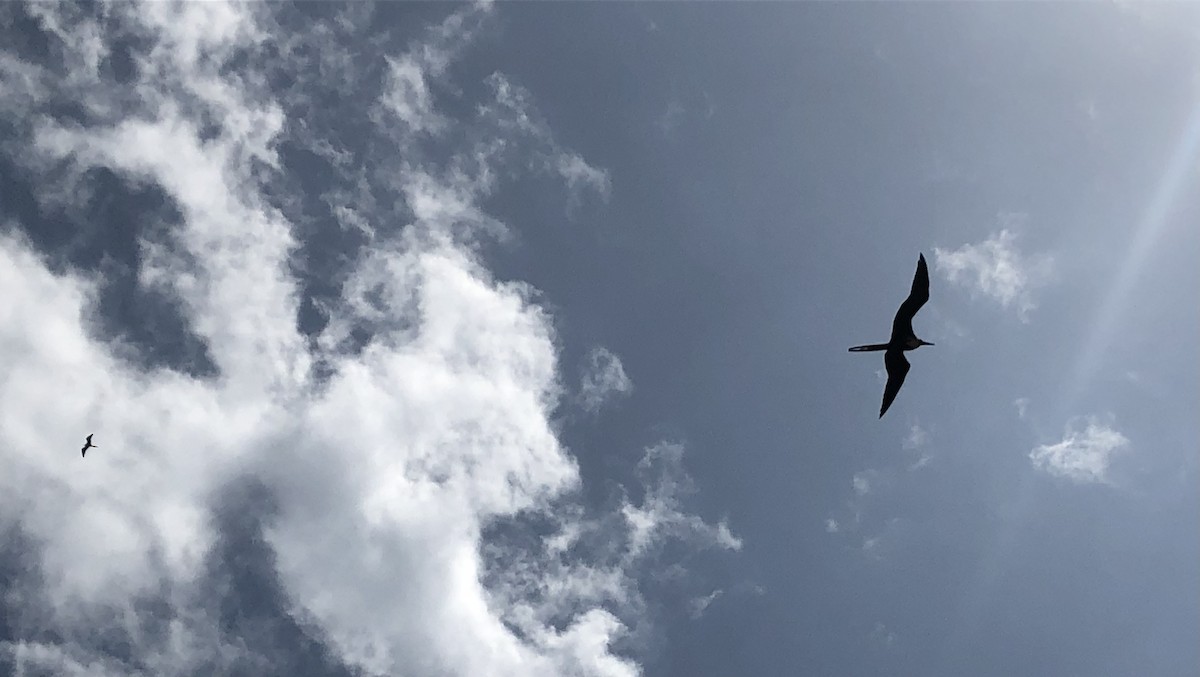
[
  {"x": 903, "y": 337},
  {"x": 88, "y": 445}
]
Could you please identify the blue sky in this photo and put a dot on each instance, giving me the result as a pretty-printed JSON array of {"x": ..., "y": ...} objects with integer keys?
[{"x": 434, "y": 339}]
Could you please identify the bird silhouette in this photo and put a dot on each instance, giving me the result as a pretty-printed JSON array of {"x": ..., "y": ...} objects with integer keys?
[
  {"x": 903, "y": 337},
  {"x": 88, "y": 445}
]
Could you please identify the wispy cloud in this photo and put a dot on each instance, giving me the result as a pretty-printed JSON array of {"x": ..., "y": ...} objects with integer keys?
[
  {"x": 1083, "y": 455},
  {"x": 1022, "y": 405},
  {"x": 387, "y": 445},
  {"x": 408, "y": 93},
  {"x": 603, "y": 378},
  {"x": 679, "y": 110},
  {"x": 862, "y": 482},
  {"x": 882, "y": 636},
  {"x": 699, "y": 605},
  {"x": 916, "y": 441},
  {"x": 995, "y": 268},
  {"x": 916, "y": 438}
]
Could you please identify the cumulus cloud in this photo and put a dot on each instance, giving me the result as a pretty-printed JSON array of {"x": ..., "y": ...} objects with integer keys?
[
  {"x": 603, "y": 378},
  {"x": 995, "y": 268},
  {"x": 1083, "y": 455},
  {"x": 356, "y": 487}
]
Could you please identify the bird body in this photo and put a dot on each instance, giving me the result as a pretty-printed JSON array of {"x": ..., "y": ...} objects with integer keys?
[
  {"x": 903, "y": 338},
  {"x": 88, "y": 445}
]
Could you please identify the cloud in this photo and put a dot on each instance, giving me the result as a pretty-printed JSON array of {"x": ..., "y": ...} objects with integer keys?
[
  {"x": 514, "y": 113},
  {"x": 916, "y": 440},
  {"x": 677, "y": 112},
  {"x": 882, "y": 636},
  {"x": 699, "y": 605},
  {"x": 862, "y": 482},
  {"x": 670, "y": 118},
  {"x": 603, "y": 378},
  {"x": 358, "y": 487},
  {"x": 996, "y": 269},
  {"x": 408, "y": 92},
  {"x": 661, "y": 510},
  {"x": 1022, "y": 405},
  {"x": 1083, "y": 456}
]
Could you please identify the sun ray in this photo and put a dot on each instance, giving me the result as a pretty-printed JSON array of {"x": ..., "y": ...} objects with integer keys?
[{"x": 1148, "y": 232}]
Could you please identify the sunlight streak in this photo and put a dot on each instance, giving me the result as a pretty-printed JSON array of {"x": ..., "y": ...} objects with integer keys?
[
  {"x": 994, "y": 559},
  {"x": 1153, "y": 222}
]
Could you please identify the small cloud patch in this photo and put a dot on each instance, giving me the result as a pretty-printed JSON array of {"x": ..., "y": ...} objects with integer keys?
[
  {"x": 995, "y": 268},
  {"x": 1022, "y": 405},
  {"x": 603, "y": 378},
  {"x": 1083, "y": 456}
]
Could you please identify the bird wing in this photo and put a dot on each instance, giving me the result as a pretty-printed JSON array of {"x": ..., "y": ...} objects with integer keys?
[
  {"x": 89, "y": 438},
  {"x": 897, "y": 369},
  {"x": 902, "y": 325},
  {"x": 83, "y": 451}
]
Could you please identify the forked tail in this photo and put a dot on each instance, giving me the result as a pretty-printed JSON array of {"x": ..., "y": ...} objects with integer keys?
[{"x": 868, "y": 348}]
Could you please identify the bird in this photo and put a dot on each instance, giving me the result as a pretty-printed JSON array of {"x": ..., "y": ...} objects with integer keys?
[
  {"x": 88, "y": 445},
  {"x": 903, "y": 337}
]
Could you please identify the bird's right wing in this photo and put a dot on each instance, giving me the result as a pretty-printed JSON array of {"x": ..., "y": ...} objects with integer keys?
[{"x": 897, "y": 369}]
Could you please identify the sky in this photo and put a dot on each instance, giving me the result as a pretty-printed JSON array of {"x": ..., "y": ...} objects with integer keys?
[{"x": 510, "y": 339}]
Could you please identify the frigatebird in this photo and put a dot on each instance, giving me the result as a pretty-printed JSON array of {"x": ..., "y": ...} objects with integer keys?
[
  {"x": 88, "y": 445},
  {"x": 903, "y": 337}
]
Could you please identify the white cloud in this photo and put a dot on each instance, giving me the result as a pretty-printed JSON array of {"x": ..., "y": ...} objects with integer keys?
[
  {"x": 831, "y": 526},
  {"x": 581, "y": 177},
  {"x": 385, "y": 474},
  {"x": 1022, "y": 405},
  {"x": 1083, "y": 456},
  {"x": 513, "y": 112},
  {"x": 862, "y": 482},
  {"x": 670, "y": 118},
  {"x": 661, "y": 510},
  {"x": 407, "y": 93},
  {"x": 882, "y": 636},
  {"x": 996, "y": 269},
  {"x": 916, "y": 438},
  {"x": 699, "y": 605},
  {"x": 408, "y": 96},
  {"x": 915, "y": 441},
  {"x": 603, "y": 378}
]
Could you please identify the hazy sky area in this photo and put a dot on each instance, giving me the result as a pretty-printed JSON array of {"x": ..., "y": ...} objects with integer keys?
[{"x": 459, "y": 340}]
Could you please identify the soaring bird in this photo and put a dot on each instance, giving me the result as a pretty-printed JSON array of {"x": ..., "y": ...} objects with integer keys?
[
  {"x": 88, "y": 445},
  {"x": 903, "y": 337}
]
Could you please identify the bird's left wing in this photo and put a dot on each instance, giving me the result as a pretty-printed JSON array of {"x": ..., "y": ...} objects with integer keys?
[{"x": 919, "y": 293}]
